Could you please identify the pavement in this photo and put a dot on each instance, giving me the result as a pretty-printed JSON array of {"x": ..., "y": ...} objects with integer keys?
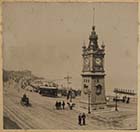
[{"x": 43, "y": 114}]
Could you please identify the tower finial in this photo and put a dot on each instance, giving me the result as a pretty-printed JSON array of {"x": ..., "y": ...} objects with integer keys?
[{"x": 84, "y": 45}]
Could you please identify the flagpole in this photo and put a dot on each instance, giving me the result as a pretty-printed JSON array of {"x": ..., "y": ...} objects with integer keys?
[{"x": 93, "y": 16}]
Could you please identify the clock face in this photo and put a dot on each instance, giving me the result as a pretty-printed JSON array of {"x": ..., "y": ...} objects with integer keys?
[{"x": 98, "y": 61}]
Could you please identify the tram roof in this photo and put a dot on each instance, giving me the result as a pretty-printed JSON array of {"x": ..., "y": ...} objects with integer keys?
[{"x": 47, "y": 87}]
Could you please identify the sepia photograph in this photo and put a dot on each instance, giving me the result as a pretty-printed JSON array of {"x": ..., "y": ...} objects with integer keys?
[{"x": 70, "y": 66}]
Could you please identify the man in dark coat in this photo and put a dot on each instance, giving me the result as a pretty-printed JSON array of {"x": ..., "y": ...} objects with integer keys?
[
  {"x": 84, "y": 119},
  {"x": 128, "y": 100},
  {"x": 59, "y": 105},
  {"x": 56, "y": 105},
  {"x": 79, "y": 119},
  {"x": 63, "y": 105}
]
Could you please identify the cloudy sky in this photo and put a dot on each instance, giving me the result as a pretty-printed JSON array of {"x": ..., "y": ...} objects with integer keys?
[{"x": 47, "y": 38}]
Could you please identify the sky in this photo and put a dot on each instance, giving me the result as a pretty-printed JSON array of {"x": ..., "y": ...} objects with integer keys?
[{"x": 47, "y": 38}]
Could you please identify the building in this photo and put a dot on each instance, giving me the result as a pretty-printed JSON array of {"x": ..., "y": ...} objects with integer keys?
[{"x": 93, "y": 74}]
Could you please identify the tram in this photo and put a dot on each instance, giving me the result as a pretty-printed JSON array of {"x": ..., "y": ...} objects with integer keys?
[{"x": 48, "y": 91}]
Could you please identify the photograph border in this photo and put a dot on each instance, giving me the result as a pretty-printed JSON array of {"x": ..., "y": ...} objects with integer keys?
[{"x": 64, "y": 1}]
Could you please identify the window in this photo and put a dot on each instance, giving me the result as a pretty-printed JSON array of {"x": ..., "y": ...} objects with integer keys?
[
  {"x": 85, "y": 90},
  {"x": 98, "y": 89}
]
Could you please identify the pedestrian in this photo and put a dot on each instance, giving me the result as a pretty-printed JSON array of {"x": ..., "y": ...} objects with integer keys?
[
  {"x": 128, "y": 100},
  {"x": 124, "y": 99},
  {"x": 63, "y": 105},
  {"x": 79, "y": 119},
  {"x": 24, "y": 97},
  {"x": 56, "y": 105},
  {"x": 27, "y": 101},
  {"x": 59, "y": 105},
  {"x": 84, "y": 119},
  {"x": 70, "y": 105}
]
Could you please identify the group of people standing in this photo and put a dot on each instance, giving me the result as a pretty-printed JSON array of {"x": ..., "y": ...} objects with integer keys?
[
  {"x": 60, "y": 105},
  {"x": 82, "y": 119}
]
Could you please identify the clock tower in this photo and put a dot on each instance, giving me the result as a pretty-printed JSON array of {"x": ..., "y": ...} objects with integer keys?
[{"x": 93, "y": 74}]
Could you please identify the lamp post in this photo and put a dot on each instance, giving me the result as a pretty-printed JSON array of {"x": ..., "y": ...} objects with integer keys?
[
  {"x": 116, "y": 104},
  {"x": 116, "y": 90},
  {"x": 89, "y": 101}
]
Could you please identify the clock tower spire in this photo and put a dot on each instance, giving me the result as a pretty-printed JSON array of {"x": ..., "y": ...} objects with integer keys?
[
  {"x": 93, "y": 73},
  {"x": 93, "y": 38}
]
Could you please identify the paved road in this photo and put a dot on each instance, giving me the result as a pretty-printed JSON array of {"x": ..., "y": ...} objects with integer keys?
[
  {"x": 9, "y": 124},
  {"x": 43, "y": 115}
]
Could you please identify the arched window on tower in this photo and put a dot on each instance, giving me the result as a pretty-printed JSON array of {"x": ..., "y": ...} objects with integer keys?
[{"x": 98, "y": 89}]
